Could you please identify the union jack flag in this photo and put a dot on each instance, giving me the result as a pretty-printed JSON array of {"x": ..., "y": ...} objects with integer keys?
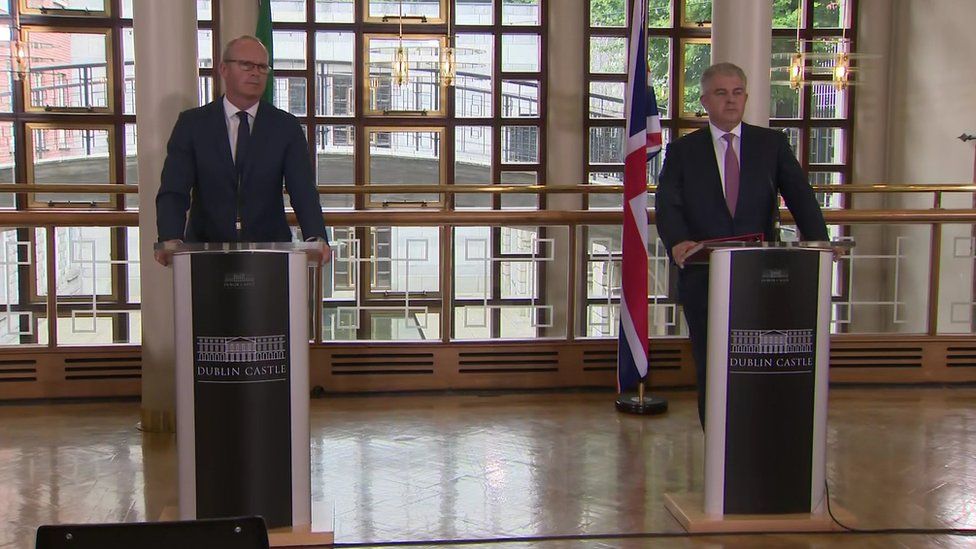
[{"x": 643, "y": 143}]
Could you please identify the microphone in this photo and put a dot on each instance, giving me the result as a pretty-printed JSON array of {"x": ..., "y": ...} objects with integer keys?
[{"x": 776, "y": 223}]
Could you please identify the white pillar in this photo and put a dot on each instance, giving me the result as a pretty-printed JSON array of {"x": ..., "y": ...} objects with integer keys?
[
  {"x": 565, "y": 139},
  {"x": 237, "y": 17},
  {"x": 166, "y": 84},
  {"x": 742, "y": 33}
]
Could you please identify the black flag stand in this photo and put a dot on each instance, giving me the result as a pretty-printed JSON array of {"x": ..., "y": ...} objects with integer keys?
[{"x": 640, "y": 404}]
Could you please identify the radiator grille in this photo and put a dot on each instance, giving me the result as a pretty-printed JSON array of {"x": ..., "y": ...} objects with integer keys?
[
  {"x": 505, "y": 361},
  {"x": 18, "y": 370},
  {"x": 876, "y": 357},
  {"x": 91, "y": 368},
  {"x": 367, "y": 363}
]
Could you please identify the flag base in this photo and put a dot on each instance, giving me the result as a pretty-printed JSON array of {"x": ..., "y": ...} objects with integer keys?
[{"x": 631, "y": 403}]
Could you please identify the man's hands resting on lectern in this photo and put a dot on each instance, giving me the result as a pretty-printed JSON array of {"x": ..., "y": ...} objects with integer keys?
[
  {"x": 163, "y": 257},
  {"x": 682, "y": 250}
]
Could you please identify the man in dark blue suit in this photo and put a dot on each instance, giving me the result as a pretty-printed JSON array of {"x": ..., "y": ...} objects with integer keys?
[
  {"x": 226, "y": 161},
  {"x": 722, "y": 181}
]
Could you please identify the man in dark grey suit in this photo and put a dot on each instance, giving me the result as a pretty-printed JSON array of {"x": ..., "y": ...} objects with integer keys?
[
  {"x": 722, "y": 181},
  {"x": 226, "y": 161}
]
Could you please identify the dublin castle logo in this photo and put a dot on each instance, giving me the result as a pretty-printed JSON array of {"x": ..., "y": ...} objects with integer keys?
[
  {"x": 240, "y": 349},
  {"x": 238, "y": 280},
  {"x": 770, "y": 342}
]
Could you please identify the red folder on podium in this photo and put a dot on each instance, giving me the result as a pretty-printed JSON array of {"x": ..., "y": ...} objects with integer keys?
[{"x": 700, "y": 252}]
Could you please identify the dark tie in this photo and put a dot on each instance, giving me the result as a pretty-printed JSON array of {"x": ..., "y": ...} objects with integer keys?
[
  {"x": 731, "y": 174},
  {"x": 243, "y": 138}
]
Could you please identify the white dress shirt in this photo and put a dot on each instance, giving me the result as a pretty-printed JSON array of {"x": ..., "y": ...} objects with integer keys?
[
  {"x": 233, "y": 123},
  {"x": 720, "y": 146}
]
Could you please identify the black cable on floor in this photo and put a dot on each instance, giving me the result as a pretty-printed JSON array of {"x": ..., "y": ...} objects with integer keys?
[
  {"x": 847, "y": 530},
  {"x": 914, "y": 531}
]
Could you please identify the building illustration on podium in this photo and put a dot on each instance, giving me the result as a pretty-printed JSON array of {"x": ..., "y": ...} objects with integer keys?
[
  {"x": 770, "y": 342},
  {"x": 241, "y": 349}
]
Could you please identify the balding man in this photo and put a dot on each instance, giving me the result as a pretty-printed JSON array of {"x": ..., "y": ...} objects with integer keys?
[
  {"x": 722, "y": 181},
  {"x": 226, "y": 162}
]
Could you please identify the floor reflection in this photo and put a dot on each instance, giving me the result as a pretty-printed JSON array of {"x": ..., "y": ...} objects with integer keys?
[{"x": 505, "y": 466}]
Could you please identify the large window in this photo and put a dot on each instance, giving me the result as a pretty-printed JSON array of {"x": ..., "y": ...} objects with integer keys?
[
  {"x": 387, "y": 114},
  {"x": 815, "y": 116},
  {"x": 67, "y": 118}
]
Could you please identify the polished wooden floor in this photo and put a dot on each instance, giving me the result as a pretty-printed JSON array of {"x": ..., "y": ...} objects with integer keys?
[{"x": 505, "y": 467}]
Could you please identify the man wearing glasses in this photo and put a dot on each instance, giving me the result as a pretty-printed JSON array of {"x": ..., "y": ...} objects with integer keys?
[{"x": 226, "y": 161}]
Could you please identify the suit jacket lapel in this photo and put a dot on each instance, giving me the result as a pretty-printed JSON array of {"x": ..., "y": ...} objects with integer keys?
[
  {"x": 221, "y": 141},
  {"x": 750, "y": 173},
  {"x": 712, "y": 185},
  {"x": 259, "y": 137}
]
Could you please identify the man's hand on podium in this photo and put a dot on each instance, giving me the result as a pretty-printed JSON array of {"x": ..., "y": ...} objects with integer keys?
[
  {"x": 839, "y": 252},
  {"x": 682, "y": 250},
  {"x": 324, "y": 253},
  {"x": 163, "y": 257}
]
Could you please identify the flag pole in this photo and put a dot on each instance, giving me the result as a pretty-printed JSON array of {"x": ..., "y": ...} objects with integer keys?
[{"x": 643, "y": 143}]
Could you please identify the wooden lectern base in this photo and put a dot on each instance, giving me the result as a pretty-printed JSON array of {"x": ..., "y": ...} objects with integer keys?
[
  {"x": 689, "y": 510},
  {"x": 298, "y": 536}
]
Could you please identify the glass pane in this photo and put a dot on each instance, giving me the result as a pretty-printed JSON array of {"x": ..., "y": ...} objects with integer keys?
[
  {"x": 602, "y": 201},
  {"x": 69, "y": 156},
  {"x": 132, "y": 256},
  {"x": 474, "y": 12},
  {"x": 406, "y": 259},
  {"x": 828, "y": 200},
  {"x": 827, "y": 146},
  {"x": 696, "y": 57},
  {"x": 5, "y": 7},
  {"x": 68, "y": 70},
  {"x": 204, "y": 10},
  {"x": 698, "y": 13},
  {"x": 422, "y": 90},
  {"x": 830, "y": 13},
  {"x": 520, "y": 201},
  {"x": 828, "y": 102},
  {"x": 793, "y": 136},
  {"x": 82, "y": 261},
  {"x": 472, "y": 256},
  {"x": 472, "y": 88},
  {"x": 131, "y": 165},
  {"x": 412, "y": 9},
  {"x": 659, "y": 62},
  {"x": 784, "y": 101},
  {"x": 206, "y": 89},
  {"x": 520, "y": 12},
  {"x": 18, "y": 319},
  {"x": 608, "y": 55},
  {"x": 520, "y": 144},
  {"x": 607, "y": 145},
  {"x": 334, "y": 11},
  {"x": 472, "y": 164},
  {"x": 404, "y": 157},
  {"x": 520, "y": 52},
  {"x": 659, "y": 13},
  {"x": 786, "y": 13},
  {"x": 472, "y": 155},
  {"x": 520, "y": 98},
  {"x": 54, "y": 5},
  {"x": 205, "y": 48},
  {"x": 608, "y": 13},
  {"x": 335, "y": 147},
  {"x": 607, "y": 99},
  {"x": 334, "y": 90},
  {"x": 7, "y": 162},
  {"x": 287, "y": 10},
  {"x": 289, "y": 49},
  {"x": 128, "y": 72},
  {"x": 291, "y": 94},
  {"x": 6, "y": 74}
]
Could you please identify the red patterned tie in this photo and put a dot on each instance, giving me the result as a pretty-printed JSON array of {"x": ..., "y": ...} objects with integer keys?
[{"x": 731, "y": 174}]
